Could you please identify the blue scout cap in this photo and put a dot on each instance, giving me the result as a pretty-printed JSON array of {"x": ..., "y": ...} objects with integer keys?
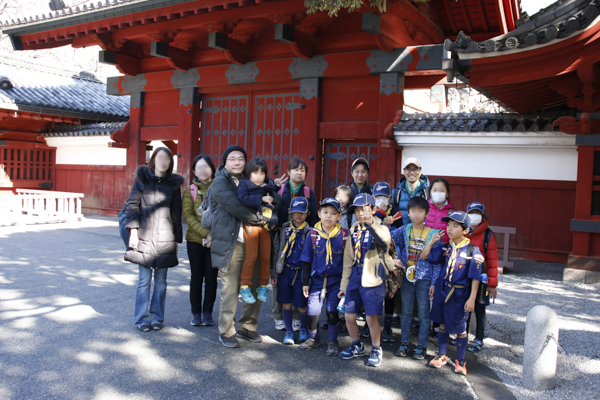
[
  {"x": 459, "y": 216},
  {"x": 299, "y": 204},
  {"x": 382, "y": 189},
  {"x": 362, "y": 199},
  {"x": 331, "y": 202},
  {"x": 476, "y": 206}
]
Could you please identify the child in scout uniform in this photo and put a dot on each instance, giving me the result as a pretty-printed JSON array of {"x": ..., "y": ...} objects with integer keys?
[
  {"x": 420, "y": 251},
  {"x": 287, "y": 274},
  {"x": 456, "y": 290},
  {"x": 364, "y": 273},
  {"x": 390, "y": 216},
  {"x": 323, "y": 258}
]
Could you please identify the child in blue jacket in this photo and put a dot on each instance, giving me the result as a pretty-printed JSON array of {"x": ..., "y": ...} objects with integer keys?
[{"x": 420, "y": 251}]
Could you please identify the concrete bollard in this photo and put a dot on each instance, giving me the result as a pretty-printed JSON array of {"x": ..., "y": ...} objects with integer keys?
[{"x": 539, "y": 359}]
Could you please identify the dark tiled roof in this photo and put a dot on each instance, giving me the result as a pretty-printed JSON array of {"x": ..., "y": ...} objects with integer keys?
[
  {"x": 92, "y": 11},
  {"x": 98, "y": 129},
  {"x": 474, "y": 122},
  {"x": 30, "y": 87},
  {"x": 557, "y": 21}
]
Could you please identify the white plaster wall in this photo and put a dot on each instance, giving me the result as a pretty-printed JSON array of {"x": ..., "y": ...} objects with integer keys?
[
  {"x": 497, "y": 162},
  {"x": 85, "y": 150}
]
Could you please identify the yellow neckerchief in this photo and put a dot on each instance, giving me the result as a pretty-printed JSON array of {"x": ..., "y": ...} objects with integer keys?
[
  {"x": 360, "y": 229},
  {"x": 337, "y": 229},
  {"x": 289, "y": 245},
  {"x": 454, "y": 256}
]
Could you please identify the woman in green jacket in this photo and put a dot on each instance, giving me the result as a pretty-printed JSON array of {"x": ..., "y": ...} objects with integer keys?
[{"x": 198, "y": 243}]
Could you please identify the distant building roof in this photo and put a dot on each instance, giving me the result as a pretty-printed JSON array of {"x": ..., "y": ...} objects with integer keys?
[
  {"x": 25, "y": 86},
  {"x": 85, "y": 13},
  {"x": 475, "y": 122},
  {"x": 97, "y": 129},
  {"x": 557, "y": 21}
]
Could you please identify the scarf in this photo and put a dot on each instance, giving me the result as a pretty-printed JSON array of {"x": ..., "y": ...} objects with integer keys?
[
  {"x": 289, "y": 245},
  {"x": 360, "y": 230},
  {"x": 337, "y": 230},
  {"x": 454, "y": 256},
  {"x": 293, "y": 191}
]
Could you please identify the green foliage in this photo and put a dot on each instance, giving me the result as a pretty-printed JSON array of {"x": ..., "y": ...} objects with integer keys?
[{"x": 334, "y": 6}]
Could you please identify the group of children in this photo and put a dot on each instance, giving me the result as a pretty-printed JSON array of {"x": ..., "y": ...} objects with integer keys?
[{"x": 346, "y": 259}]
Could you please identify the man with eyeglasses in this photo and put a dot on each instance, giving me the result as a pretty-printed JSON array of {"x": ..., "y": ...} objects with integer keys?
[
  {"x": 413, "y": 183},
  {"x": 228, "y": 249}
]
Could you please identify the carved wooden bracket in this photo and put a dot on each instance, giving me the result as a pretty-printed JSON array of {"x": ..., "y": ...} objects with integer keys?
[
  {"x": 301, "y": 44},
  {"x": 235, "y": 51},
  {"x": 177, "y": 58},
  {"x": 127, "y": 65}
]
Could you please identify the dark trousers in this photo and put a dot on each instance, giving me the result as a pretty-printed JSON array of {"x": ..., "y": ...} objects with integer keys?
[
  {"x": 479, "y": 320},
  {"x": 202, "y": 272}
]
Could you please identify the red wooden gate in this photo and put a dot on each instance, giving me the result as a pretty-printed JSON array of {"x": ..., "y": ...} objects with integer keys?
[
  {"x": 275, "y": 138},
  {"x": 225, "y": 122},
  {"x": 338, "y": 160}
]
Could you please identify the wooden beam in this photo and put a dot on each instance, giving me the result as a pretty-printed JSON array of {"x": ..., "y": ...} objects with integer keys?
[
  {"x": 150, "y": 133},
  {"x": 348, "y": 130}
]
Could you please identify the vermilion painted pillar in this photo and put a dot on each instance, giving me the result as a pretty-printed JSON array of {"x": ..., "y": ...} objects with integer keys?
[
  {"x": 308, "y": 124},
  {"x": 391, "y": 99},
  {"x": 136, "y": 152},
  {"x": 584, "y": 262},
  {"x": 189, "y": 131}
]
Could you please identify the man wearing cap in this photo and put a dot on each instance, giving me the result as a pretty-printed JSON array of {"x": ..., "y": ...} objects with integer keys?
[
  {"x": 360, "y": 176},
  {"x": 414, "y": 183},
  {"x": 228, "y": 249}
]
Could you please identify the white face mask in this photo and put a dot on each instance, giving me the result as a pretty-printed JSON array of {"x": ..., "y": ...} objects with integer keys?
[
  {"x": 475, "y": 219},
  {"x": 381, "y": 201},
  {"x": 438, "y": 197}
]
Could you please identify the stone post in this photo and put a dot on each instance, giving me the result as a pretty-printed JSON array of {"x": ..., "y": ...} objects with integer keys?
[{"x": 539, "y": 360}]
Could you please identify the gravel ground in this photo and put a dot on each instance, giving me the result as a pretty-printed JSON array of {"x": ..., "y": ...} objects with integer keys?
[{"x": 578, "y": 309}]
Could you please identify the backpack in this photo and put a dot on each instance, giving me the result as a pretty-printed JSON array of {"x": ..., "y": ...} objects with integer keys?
[
  {"x": 194, "y": 192},
  {"x": 306, "y": 191},
  {"x": 209, "y": 210},
  {"x": 482, "y": 292},
  {"x": 392, "y": 281},
  {"x": 486, "y": 240}
]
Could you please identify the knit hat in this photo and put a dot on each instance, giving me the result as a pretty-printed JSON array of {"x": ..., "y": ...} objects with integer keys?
[{"x": 233, "y": 148}]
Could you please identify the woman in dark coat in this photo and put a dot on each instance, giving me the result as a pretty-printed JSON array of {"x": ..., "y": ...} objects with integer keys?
[{"x": 153, "y": 213}]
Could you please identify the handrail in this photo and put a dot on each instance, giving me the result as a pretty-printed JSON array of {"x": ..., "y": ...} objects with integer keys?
[
  {"x": 33, "y": 206},
  {"x": 507, "y": 231}
]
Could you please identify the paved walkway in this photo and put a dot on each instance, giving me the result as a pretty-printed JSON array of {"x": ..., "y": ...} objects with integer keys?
[{"x": 66, "y": 331}]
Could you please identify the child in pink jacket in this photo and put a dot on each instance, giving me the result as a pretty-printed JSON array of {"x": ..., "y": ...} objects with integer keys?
[{"x": 439, "y": 206}]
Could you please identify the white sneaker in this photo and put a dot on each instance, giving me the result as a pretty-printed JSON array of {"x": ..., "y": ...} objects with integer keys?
[
  {"x": 279, "y": 324},
  {"x": 296, "y": 325}
]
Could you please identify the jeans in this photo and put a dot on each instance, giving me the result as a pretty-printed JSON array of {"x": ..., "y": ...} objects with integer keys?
[
  {"x": 150, "y": 310},
  {"x": 420, "y": 289},
  {"x": 202, "y": 272}
]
